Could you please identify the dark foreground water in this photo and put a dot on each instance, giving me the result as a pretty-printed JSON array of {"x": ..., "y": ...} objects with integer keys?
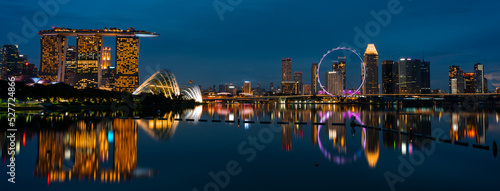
[{"x": 94, "y": 151}]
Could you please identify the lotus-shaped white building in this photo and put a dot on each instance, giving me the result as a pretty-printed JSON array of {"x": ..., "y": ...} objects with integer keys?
[{"x": 164, "y": 83}]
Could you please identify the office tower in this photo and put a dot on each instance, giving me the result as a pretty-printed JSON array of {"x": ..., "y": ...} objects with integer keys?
[
  {"x": 28, "y": 70},
  {"x": 486, "y": 85},
  {"x": 127, "y": 63},
  {"x": 455, "y": 72},
  {"x": 306, "y": 89},
  {"x": 390, "y": 77},
  {"x": 470, "y": 82},
  {"x": 106, "y": 58},
  {"x": 10, "y": 57},
  {"x": 88, "y": 71},
  {"x": 271, "y": 86},
  {"x": 453, "y": 86},
  {"x": 222, "y": 88},
  {"x": 108, "y": 78},
  {"x": 232, "y": 90},
  {"x": 226, "y": 88},
  {"x": 409, "y": 76},
  {"x": 335, "y": 82},
  {"x": 371, "y": 85},
  {"x": 247, "y": 87},
  {"x": 289, "y": 87},
  {"x": 314, "y": 78},
  {"x": 342, "y": 67},
  {"x": 425, "y": 77},
  {"x": 479, "y": 72},
  {"x": 70, "y": 66},
  {"x": 286, "y": 69},
  {"x": 22, "y": 62},
  {"x": 52, "y": 54},
  {"x": 335, "y": 65},
  {"x": 297, "y": 76}
]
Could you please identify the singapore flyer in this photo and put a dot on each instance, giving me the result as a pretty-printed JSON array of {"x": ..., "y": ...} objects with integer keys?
[{"x": 344, "y": 92}]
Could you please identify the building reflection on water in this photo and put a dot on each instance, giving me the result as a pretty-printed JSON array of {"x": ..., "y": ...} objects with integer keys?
[
  {"x": 85, "y": 149},
  {"x": 464, "y": 125},
  {"x": 106, "y": 150}
]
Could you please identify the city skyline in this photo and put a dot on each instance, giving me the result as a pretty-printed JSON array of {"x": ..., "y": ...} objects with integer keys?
[
  {"x": 464, "y": 40},
  {"x": 407, "y": 76}
]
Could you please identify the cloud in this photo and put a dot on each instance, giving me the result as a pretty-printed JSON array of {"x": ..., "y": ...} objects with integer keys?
[{"x": 493, "y": 76}]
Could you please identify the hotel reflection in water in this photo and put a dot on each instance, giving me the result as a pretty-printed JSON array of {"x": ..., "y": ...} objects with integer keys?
[{"x": 106, "y": 150}]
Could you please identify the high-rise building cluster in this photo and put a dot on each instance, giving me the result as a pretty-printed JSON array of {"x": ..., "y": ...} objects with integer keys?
[
  {"x": 88, "y": 64},
  {"x": 407, "y": 76},
  {"x": 14, "y": 64},
  {"x": 467, "y": 82},
  {"x": 296, "y": 85}
]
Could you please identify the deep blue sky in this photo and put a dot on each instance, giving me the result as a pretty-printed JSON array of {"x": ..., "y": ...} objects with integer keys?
[{"x": 253, "y": 38}]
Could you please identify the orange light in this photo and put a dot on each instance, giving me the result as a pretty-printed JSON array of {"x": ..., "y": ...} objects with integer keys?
[{"x": 26, "y": 63}]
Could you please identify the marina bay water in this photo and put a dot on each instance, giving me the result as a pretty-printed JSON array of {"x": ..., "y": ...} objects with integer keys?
[{"x": 256, "y": 147}]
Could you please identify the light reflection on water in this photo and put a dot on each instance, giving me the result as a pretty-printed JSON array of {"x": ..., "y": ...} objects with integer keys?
[{"x": 106, "y": 150}]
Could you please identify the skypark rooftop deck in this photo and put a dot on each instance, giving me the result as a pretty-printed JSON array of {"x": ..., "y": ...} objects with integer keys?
[{"x": 111, "y": 32}]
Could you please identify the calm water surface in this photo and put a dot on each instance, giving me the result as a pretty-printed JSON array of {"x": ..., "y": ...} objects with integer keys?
[{"x": 67, "y": 151}]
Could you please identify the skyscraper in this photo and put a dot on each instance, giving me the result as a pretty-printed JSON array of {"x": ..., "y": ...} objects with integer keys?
[
  {"x": 127, "y": 63},
  {"x": 247, "y": 88},
  {"x": 455, "y": 72},
  {"x": 479, "y": 72},
  {"x": 70, "y": 68},
  {"x": 425, "y": 77},
  {"x": 90, "y": 60},
  {"x": 335, "y": 82},
  {"x": 222, "y": 88},
  {"x": 470, "y": 82},
  {"x": 10, "y": 57},
  {"x": 314, "y": 78},
  {"x": 22, "y": 62},
  {"x": 390, "y": 77},
  {"x": 108, "y": 78},
  {"x": 453, "y": 86},
  {"x": 297, "y": 76},
  {"x": 409, "y": 76},
  {"x": 52, "y": 49},
  {"x": 286, "y": 69},
  {"x": 271, "y": 86},
  {"x": 88, "y": 71},
  {"x": 371, "y": 85},
  {"x": 342, "y": 66},
  {"x": 486, "y": 85}
]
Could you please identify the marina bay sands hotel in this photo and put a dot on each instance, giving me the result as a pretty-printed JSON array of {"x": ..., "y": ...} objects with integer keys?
[{"x": 89, "y": 68}]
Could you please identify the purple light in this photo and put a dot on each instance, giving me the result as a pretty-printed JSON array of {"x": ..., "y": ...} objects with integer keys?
[
  {"x": 333, "y": 50},
  {"x": 337, "y": 159}
]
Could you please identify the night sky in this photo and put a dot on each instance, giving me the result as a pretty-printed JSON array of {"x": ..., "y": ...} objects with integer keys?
[{"x": 251, "y": 40}]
